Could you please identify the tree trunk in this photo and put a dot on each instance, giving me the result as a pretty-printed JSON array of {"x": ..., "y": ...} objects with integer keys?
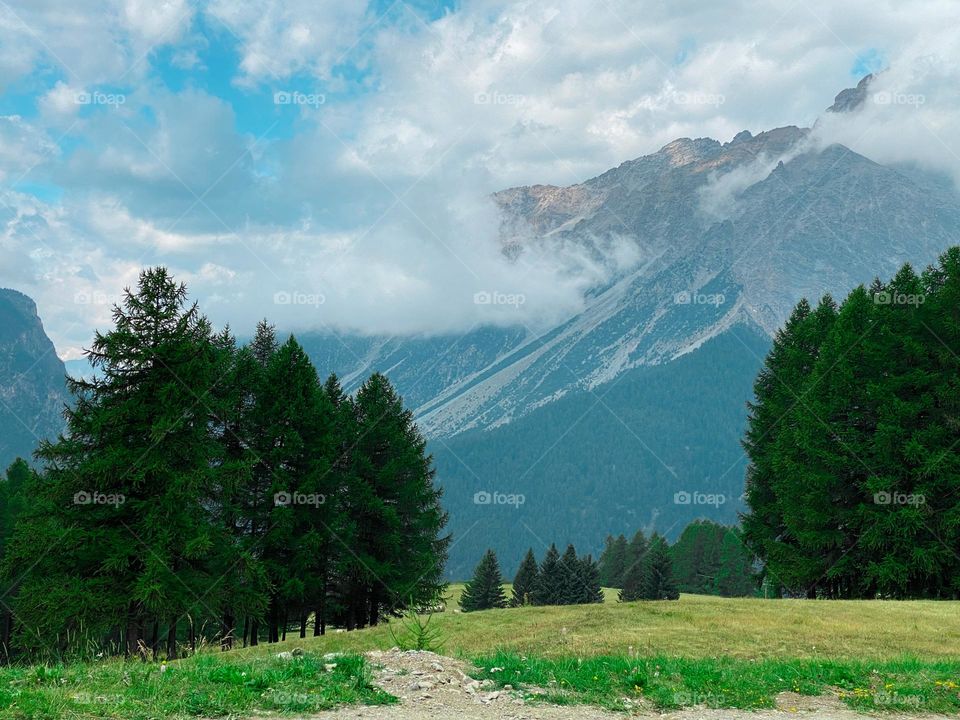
[
  {"x": 193, "y": 637},
  {"x": 254, "y": 633},
  {"x": 303, "y": 624},
  {"x": 374, "y": 606},
  {"x": 285, "y": 621},
  {"x": 246, "y": 628},
  {"x": 6, "y": 630},
  {"x": 172, "y": 640},
  {"x": 226, "y": 637},
  {"x": 134, "y": 630},
  {"x": 155, "y": 639}
]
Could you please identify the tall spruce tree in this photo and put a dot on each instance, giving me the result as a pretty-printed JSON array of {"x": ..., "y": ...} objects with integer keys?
[
  {"x": 548, "y": 589},
  {"x": 589, "y": 576},
  {"x": 525, "y": 580},
  {"x": 861, "y": 478},
  {"x": 658, "y": 582},
  {"x": 613, "y": 561},
  {"x": 398, "y": 539},
  {"x": 126, "y": 494},
  {"x": 485, "y": 590}
]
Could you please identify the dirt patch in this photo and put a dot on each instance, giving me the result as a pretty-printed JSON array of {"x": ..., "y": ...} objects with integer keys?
[{"x": 434, "y": 687}]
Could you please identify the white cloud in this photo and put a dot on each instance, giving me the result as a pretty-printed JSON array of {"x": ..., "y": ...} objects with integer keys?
[{"x": 375, "y": 199}]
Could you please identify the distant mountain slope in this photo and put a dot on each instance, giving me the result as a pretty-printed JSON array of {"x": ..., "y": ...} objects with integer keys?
[
  {"x": 32, "y": 392},
  {"x": 607, "y": 461},
  {"x": 729, "y": 237},
  {"x": 728, "y": 234}
]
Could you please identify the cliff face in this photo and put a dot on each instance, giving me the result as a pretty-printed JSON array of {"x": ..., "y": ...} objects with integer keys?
[{"x": 32, "y": 390}]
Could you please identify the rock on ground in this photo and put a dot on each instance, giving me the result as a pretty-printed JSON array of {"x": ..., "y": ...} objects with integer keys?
[{"x": 433, "y": 687}]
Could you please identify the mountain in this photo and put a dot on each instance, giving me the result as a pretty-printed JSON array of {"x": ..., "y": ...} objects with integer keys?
[
  {"x": 603, "y": 417},
  {"x": 32, "y": 390}
]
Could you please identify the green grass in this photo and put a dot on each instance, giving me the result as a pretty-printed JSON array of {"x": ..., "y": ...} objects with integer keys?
[
  {"x": 695, "y": 626},
  {"x": 670, "y": 682},
  {"x": 206, "y": 685},
  {"x": 871, "y": 655}
]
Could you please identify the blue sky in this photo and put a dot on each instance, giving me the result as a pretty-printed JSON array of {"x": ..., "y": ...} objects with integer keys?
[{"x": 348, "y": 150}]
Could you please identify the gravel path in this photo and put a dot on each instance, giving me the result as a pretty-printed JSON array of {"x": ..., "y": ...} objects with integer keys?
[{"x": 433, "y": 687}]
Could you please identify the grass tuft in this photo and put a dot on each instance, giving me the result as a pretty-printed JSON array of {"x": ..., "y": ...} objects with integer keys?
[
  {"x": 207, "y": 685},
  {"x": 619, "y": 682}
]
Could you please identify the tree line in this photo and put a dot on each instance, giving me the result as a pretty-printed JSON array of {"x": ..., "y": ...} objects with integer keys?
[
  {"x": 707, "y": 559},
  {"x": 212, "y": 491},
  {"x": 853, "y": 485}
]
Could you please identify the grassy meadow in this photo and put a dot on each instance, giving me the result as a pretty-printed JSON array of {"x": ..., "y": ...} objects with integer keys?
[
  {"x": 695, "y": 626},
  {"x": 740, "y": 653}
]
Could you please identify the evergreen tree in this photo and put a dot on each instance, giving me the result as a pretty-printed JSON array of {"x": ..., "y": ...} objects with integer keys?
[
  {"x": 571, "y": 582},
  {"x": 525, "y": 580},
  {"x": 613, "y": 561},
  {"x": 735, "y": 575},
  {"x": 589, "y": 576},
  {"x": 850, "y": 496},
  {"x": 126, "y": 494},
  {"x": 658, "y": 582},
  {"x": 485, "y": 590},
  {"x": 548, "y": 589},
  {"x": 696, "y": 557},
  {"x": 12, "y": 488},
  {"x": 399, "y": 548}
]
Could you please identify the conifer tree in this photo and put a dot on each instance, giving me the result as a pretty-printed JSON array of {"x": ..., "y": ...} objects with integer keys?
[
  {"x": 485, "y": 590},
  {"x": 525, "y": 580},
  {"x": 658, "y": 582},
  {"x": 589, "y": 575},
  {"x": 398, "y": 537},
  {"x": 128, "y": 490},
  {"x": 548, "y": 589},
  {"x": 571, "y": 582},
  {"x": 613, "y": 561}
]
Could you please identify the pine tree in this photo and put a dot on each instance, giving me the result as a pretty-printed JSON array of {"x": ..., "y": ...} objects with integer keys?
[
  {"x": 399, "y": 533},
  {"x": 485, "y": 590},
  {"x": 735, "y": 575},
  {"x": 127, "y": 493},
  {"x": 696, "y": 557},
  {"x": 548, "y": 589},
  {"x": 658, "y": 582},
  {"x": 525, "y": 580},
  {"x": 613, "y": 561},
  {"x": 589, "y": 573}
]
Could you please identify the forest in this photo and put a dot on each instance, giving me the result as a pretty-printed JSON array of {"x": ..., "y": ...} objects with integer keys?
[{"x": 212, "y": 492}]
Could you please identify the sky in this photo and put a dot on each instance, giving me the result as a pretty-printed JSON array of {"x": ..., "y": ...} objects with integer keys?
[{"x": 328, "y": 164}]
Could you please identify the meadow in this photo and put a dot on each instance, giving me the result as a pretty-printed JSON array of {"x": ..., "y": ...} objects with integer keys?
[{"x": 874, "y": 656}]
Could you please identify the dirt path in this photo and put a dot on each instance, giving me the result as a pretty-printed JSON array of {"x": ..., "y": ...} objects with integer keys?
[{"x": 433, "y": 687}]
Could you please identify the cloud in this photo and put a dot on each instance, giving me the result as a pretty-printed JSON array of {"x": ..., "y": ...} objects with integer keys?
[{"x": 374, "y": 198}]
